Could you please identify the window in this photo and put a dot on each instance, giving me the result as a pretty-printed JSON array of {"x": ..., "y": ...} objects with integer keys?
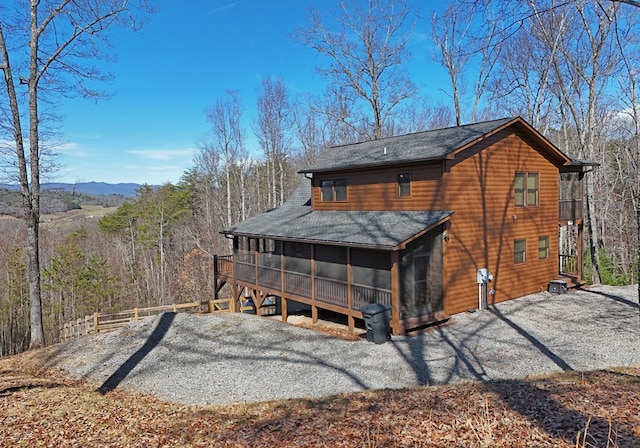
[
  {"x": 340, "y": 189},
  {"x": 404, "y": 184},
  {"x": 532, "y": 189},
  {"x": 526, "y": 187},
  {"x": 543, "y": 247},
  {"x": 519, "y": 249},
  {"x": 334, "y": 190}
]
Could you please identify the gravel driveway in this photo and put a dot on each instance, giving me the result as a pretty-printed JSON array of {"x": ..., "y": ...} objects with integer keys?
[{"x": 228, "y": 358}]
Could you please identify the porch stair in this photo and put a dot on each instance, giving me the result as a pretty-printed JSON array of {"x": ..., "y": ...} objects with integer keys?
[{"x": 573, "y": 282}]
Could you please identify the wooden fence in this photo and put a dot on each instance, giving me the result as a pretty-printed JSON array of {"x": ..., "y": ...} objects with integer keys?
[{"x": 103, "y": 322}]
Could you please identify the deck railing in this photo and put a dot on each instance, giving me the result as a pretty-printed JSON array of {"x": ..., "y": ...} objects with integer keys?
[
  {"x": 331, "y": 291},
  {"x": 363, "y": 295},
  {"x": 224, "y": 264},
  {"x": 245, "y": 271},
  {"x": 568, "y": 264},
  {"x": 297, "y": 283},
  {"x": 269, "y": 277}
]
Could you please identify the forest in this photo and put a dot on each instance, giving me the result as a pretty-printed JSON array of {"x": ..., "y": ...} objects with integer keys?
[{"x": 570, "y": 68}]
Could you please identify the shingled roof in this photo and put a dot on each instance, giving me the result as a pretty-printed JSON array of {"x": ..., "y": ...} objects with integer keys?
[
  {"x": 296, "y": 221},
  {"x": 410, "y": 148}
]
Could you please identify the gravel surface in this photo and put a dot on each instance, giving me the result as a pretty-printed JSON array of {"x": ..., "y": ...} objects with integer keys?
[{"x": 228, "y": 358}]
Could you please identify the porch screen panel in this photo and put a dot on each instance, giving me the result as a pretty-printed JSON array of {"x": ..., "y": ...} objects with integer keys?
[
  {"x": 331, "y": 274},
  {"x": 371, "y": 268},
  {"x": 371, "y": 277},
  {"x": 297, "y": 275},
  {"x": 270, "y": 251},
  {"x": 245, "y": 259},
  {"x": 421, "y": 278},
  {"x": 331, "y": 262},
  {"x": 269, "y": 263},
  {"x": 297, "y": 257}
]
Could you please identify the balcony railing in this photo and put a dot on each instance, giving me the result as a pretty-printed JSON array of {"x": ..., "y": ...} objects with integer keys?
[
  {"x": 568, "y": 264},
  {"x": 224, "y": 265}
]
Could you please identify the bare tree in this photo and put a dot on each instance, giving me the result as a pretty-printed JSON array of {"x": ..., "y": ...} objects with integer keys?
[
  {"x": 467, "y": 34},
  {"x": 311, "y": 130},
  {"x": 272, "y": 128},
  {"x": 228, "y": 141},
  {"x": 556, "y": 69},
  {"x": 62, "y": 41},
  {"x": 366, "y": 51}
]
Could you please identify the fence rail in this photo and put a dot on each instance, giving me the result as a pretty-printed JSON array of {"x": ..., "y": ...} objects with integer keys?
[{"x": 103, "y": 322}]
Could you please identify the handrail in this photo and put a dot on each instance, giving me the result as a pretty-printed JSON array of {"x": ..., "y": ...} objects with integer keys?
[
  {"x": 103, "y": 322},
  {"x": 568, "y": 264}
]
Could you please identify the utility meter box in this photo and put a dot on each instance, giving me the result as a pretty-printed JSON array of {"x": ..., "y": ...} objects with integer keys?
[
  {"x": 484, "y": 276},
  {"x": 557, "y": 286}
]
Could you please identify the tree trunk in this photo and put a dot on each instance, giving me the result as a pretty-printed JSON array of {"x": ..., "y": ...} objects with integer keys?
[{"x": 591, "y": 236}]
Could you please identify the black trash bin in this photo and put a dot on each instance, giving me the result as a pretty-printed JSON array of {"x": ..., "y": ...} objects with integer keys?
[{"x": 377, "y": 319}]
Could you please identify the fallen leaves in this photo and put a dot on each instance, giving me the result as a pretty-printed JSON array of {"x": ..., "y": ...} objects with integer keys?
[{"x": 591, "y": 409}]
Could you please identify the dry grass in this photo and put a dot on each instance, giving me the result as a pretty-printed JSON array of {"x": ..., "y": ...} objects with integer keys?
[
  {"x": 87, "y": 212},
  {"x": 592, "y": 409}
]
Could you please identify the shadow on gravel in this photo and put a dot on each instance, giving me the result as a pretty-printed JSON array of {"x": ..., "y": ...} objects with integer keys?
[
  {"x": 618, "y": 299},
  {"x": 534, "y": 341},
  {"x": 125, "y": 369}
]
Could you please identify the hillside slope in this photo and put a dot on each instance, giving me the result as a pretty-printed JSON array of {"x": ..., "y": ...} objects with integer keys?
[{"x": 508, "y": 351}]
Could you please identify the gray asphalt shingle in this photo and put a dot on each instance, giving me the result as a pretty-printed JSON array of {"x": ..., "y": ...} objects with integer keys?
[
  {"x": 295, "y": 220},
  {"x": 428, "y": 145}
]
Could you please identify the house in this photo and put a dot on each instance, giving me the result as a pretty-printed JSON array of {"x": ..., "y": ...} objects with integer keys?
[{"x": 431, "y": 224}]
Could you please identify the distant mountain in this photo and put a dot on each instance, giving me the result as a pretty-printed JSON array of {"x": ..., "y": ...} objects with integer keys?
[{"x": 88, "y": 188}]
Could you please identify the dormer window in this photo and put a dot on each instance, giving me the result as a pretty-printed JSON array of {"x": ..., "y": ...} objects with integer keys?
[
  {"x": 334, "y": 190},
  {"x": 404, "y": 184}
]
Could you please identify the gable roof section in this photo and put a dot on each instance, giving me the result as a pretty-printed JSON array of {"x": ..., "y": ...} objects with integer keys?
[
  {"x": 296, "y": 221},
  {"x": 423, "y": 146}
]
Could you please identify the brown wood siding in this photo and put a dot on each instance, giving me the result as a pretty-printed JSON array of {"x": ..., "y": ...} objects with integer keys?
[
  {"x": 377, "y": 189},
  {"x": 486, "y": 222}
]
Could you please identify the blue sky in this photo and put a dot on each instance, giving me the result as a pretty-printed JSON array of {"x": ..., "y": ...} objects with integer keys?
[{"x": 171, "y": 71}]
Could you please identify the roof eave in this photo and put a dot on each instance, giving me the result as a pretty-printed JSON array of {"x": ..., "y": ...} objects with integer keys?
[
  {"x": 403, "y": 245},
  {"x": 375, "y": 165},
  {"x": 384, "y": 247},
  {"x": 562, "y": 158}
]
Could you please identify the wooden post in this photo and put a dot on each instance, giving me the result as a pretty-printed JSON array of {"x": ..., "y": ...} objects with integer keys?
[
  {"x": 283, "y": 300},
  {"x": 255, "y": 263},
  {"x": 580, "y": 251},
  {"x": 314, "y": 308},
  {"x": 175, "y": 310},
  {"x": 395, "y": 293},
  {"x": 135, "y": 314},
  {"x": 215, "y": 279},
  {"x": 350, "y": 319},
  {"x": 95, "y": 323}
]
